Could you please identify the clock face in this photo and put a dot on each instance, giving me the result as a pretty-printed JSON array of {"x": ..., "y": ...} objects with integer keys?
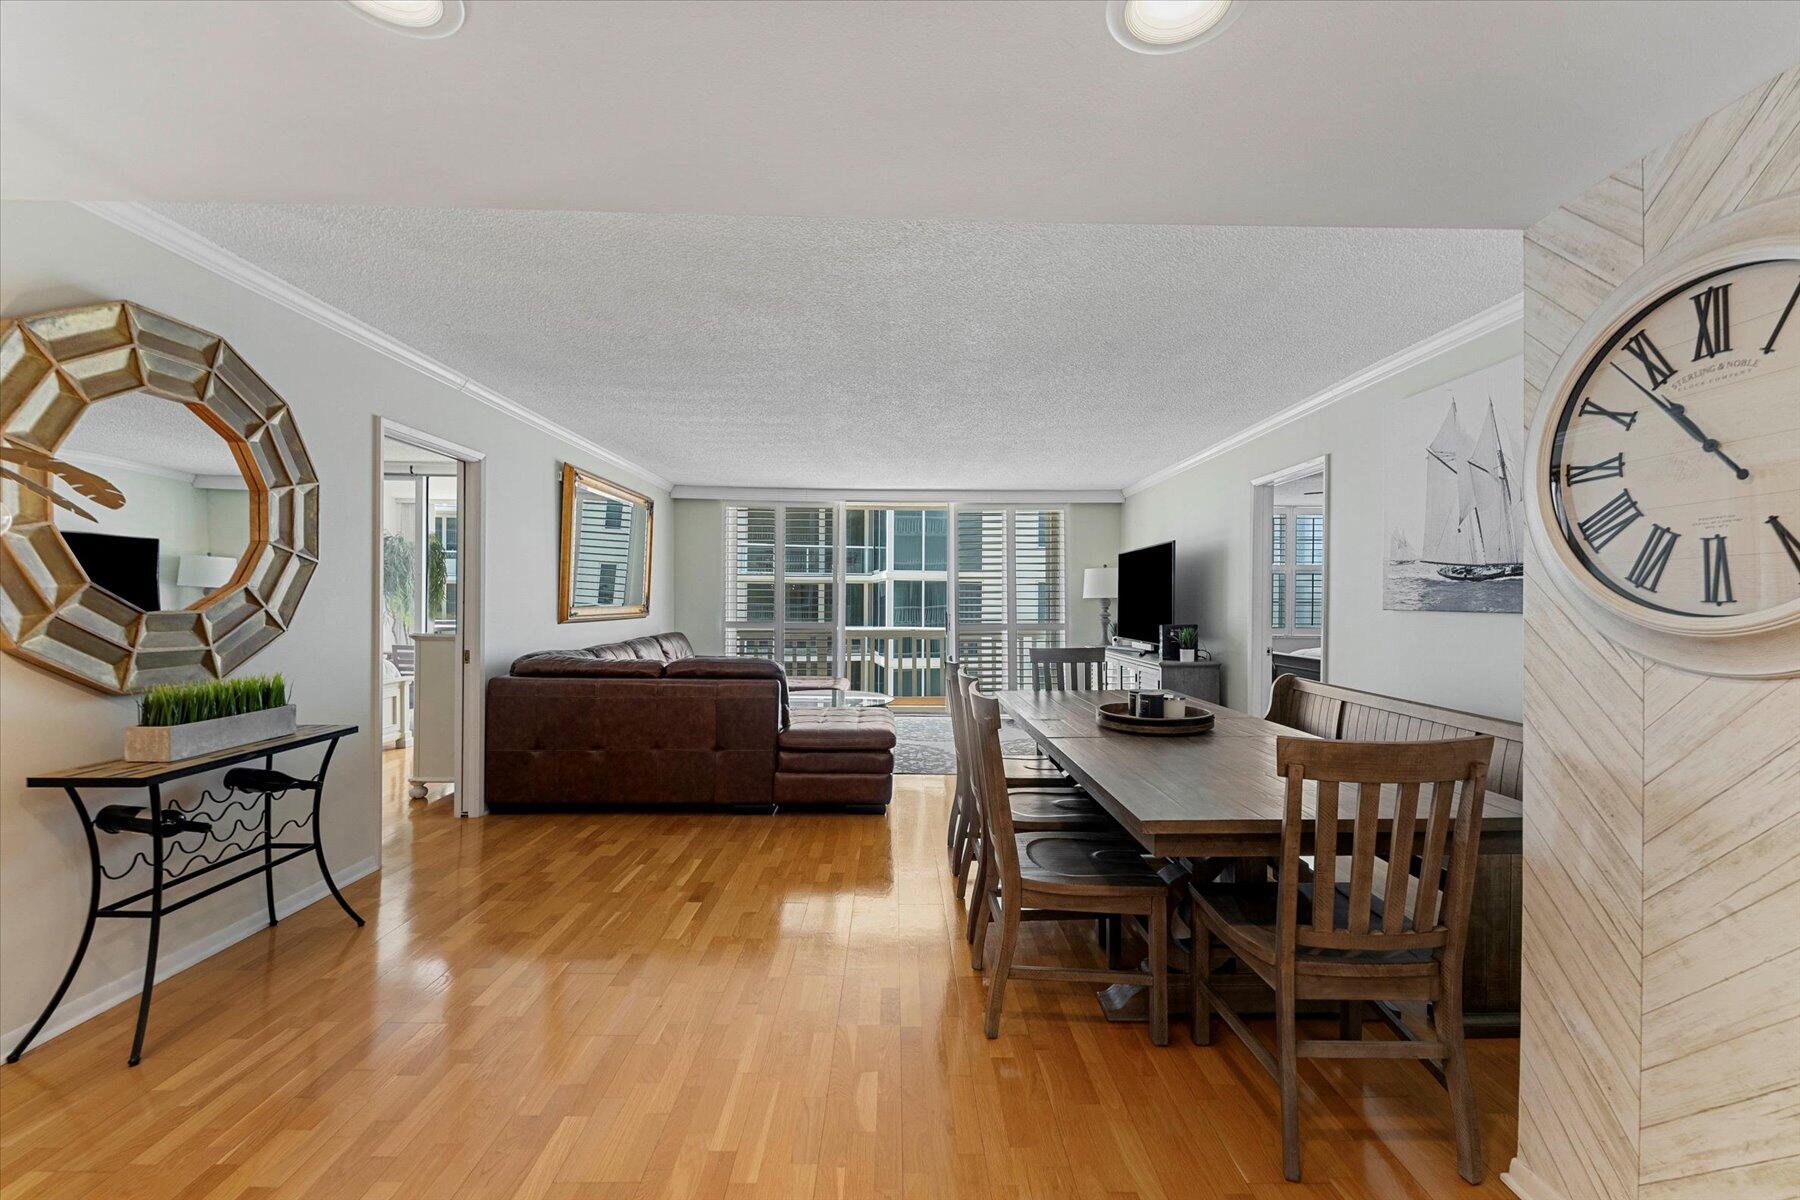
[{"x": 1675, "y": 460}]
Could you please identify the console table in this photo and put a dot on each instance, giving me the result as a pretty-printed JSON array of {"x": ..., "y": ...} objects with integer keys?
[
  {"x": 250, "y": 790},
  {"x": 1197, "y": 679}
]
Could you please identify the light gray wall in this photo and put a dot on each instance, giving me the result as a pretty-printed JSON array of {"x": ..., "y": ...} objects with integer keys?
[
  {"x": 57, "y": 255},
  {"x": 700, "y": 565},
  {"x": 1471, "y": 661}
]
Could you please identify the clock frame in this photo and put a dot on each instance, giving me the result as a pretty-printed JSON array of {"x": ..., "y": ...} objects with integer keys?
[{"x": 1759, "y": 644}]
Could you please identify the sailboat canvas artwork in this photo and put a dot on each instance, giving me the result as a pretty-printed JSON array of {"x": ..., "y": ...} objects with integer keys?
[{"x": 1455, "y": 498}]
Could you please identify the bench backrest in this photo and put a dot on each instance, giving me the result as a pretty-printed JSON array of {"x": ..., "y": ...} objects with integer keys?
[{"x": 1346, "y": 714}]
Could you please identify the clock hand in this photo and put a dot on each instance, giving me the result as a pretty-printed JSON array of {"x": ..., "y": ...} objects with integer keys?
[{"x": 1679, "y": 415}]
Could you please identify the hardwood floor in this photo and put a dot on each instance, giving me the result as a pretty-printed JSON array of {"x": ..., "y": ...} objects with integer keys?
[{"x": 669, "y": 1005}]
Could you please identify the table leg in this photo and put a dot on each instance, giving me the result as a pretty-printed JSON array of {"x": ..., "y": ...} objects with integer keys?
[
  {"x": 87, "y": 930},
  {"x": 268, "y": 806},
  {"x": 156, "y": 897},
  {"x": 319, "y": 835}
]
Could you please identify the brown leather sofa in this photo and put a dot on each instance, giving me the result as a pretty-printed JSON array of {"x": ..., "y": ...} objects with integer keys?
[{"x": 649, "y": 722}]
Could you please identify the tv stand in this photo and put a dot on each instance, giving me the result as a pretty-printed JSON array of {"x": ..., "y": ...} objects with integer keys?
[{"x": 1143, "y": 669}]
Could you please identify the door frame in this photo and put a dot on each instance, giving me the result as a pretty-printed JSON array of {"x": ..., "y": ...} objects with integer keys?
[
  {"x": 1262, "y": 510},
  {"x": 471, "y": 564}
]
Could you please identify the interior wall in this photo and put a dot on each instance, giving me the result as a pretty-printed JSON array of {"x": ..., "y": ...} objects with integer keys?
[
  {"x": 1660, "y": 1057},
  {"x": 172, "y": 511},
  {"x": 1469, "y": 661},
  {"x": 700, "y": 561},
  {"x": 57, "y": 255}
]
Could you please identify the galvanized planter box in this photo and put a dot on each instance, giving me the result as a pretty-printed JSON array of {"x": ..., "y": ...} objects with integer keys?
[{"x": 168, "y": 743}]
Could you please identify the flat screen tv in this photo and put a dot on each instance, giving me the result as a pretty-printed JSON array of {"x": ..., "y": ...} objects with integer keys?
[
  {"x": 124, "y": 566},
  {"x": 1146, "y": 591}
]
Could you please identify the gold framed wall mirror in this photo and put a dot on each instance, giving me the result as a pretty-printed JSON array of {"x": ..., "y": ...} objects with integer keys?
[
  {"x": 604, "y": 568},
  {"x": 159, "y": 515}
]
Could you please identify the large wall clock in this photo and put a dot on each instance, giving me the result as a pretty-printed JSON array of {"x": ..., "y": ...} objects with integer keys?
[{"x": 1667, "y": 449}]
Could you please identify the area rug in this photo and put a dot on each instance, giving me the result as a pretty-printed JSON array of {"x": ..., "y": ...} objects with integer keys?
[{"x": 925, "y": 745}]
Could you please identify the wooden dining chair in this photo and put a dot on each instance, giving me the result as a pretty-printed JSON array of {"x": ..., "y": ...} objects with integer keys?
[
  {"x": 1059, "y": 876},
  {"x": 1037, "y": 806},
  {"x": 963, "y": 829},
  {"x": 1068, "y": 668},
  {"x": 1309, "y": 938}
]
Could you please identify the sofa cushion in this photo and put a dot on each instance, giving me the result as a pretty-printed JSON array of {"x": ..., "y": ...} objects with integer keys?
[
  {"x": 707, "y": 666},
  {"x": 839, "y": 729},
  {"x": 581, "y": 664},
  {"x": 657, "y": 647}
]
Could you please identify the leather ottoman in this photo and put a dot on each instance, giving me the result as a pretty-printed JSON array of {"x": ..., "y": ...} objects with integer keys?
[{"x": 837, "y": 757}]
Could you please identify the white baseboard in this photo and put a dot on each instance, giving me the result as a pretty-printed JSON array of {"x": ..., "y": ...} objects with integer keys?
[
  {"x": 76, "y": 1009},
  {"x": 1525, "y": 1184}
]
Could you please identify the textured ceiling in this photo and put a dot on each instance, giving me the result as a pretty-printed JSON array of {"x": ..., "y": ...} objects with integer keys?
[
  {"x": 873, "y": 353},
  {"x": 1443, "y": 114},
  {"x": 140, "y": 428}
]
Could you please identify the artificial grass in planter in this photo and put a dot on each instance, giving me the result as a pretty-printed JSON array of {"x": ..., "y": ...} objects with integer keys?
[{"x": 185, "y": 703}]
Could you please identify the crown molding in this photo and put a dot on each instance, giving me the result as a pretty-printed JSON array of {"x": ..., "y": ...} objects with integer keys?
[
  {"x": 153, "y": 227},
  {"x": 107, "y": 462},
  {"x": 763, "y": 495},
  {"x": 1508, "y": 312}
]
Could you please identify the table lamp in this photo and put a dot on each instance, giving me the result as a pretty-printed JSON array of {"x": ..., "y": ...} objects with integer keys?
[
  {"x": 1102, "y": 584},
  {"x": 207, "y": 572}
]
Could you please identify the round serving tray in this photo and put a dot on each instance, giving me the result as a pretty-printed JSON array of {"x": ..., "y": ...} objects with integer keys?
[{"x": 1180, "y": 718}]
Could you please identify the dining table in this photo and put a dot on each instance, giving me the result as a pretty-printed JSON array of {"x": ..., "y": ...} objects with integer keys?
[{"x": 1212, "y": 798}]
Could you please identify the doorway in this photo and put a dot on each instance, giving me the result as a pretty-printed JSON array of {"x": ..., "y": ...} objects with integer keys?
[
  {"x": 428, "y": 617},
  {"x": 1289, "y": 580}
]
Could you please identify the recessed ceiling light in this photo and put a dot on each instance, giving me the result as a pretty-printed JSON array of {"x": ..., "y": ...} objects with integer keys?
[
  {"x": 1167, "y": 26},
  {"x": 416, "y": 18}
]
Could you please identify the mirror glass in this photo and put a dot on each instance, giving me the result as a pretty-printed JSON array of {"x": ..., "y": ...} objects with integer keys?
[
  {"x": 605, "y": 549},
  {"x": 185, "y": 521}
]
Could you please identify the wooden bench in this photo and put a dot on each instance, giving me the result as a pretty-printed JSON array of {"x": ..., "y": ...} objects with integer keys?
[{"x": 1491, "y": 965}]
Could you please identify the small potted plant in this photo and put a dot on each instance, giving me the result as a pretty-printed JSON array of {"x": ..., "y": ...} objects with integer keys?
[
  {"x": 1187, "y": 639},
  {"x": 185, "y": 720}
]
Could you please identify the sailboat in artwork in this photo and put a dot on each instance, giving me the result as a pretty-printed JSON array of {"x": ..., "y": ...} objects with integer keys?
[{"x": 1474, "y": 505}]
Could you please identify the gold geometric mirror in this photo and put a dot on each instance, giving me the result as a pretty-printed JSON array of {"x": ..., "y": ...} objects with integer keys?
[{"x": 159, "y": 514}]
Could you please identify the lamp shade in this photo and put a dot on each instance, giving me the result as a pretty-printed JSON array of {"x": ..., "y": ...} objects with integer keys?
[
  {"x": 206, "y": 571},
  {"x": 1100, "y": 583}
]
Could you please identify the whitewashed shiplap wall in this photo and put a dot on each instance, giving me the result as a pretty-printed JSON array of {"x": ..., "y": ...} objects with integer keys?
[{"x": 1661, "y": 1052}]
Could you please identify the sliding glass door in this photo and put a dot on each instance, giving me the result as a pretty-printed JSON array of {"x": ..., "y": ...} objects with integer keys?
[{"x": 910, "y": 581}]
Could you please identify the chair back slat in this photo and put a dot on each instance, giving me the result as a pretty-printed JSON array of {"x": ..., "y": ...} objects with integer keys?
[
  {"x": 1388, "y": 777},
  {"x": 1325, "y": 857},
  {"x": 953, "y": 704},
  {"x": 1431, "y": 858},
  {"x": 982, "y": 731},
  {"x": 1362, "y": 855},
  {"x": 1068, "y": 668},
  {"x": 1399, "y": 860}
]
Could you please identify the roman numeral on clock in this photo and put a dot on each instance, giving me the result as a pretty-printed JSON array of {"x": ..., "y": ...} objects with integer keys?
[
  {"x": 1655, "y": 365},
  {"x": 1606, "y": 468},
  {"x": 1590, "y": 409},
  {"x": 1782, "y": 322},
  {"x": 1610, "y": 520},
  {"x": 1716, "y": 570},
  {"x": 1647, "y": 571},
  {"x": 1712, "y": 308},
  {"x": 1789, "y": 542}
]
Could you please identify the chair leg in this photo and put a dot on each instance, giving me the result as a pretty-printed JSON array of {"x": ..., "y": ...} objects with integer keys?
[
  {"x": 1447, "y": 1025},
  {"x": 978, "y": 897},
  {"x": 1289, "y": 1077},
  {"x": 1199, "y": 972},
  {"x": 1350, "y": 1021},
  {"x": 1115, "y": 943},
  {"x": 1009, "y": 942},
  {"x": 1159, "y": 973}
]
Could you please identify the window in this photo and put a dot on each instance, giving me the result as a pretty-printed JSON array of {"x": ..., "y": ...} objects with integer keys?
[
  {"x": 1296, "y": 576},
  {"x": 909, "y": 583}
]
